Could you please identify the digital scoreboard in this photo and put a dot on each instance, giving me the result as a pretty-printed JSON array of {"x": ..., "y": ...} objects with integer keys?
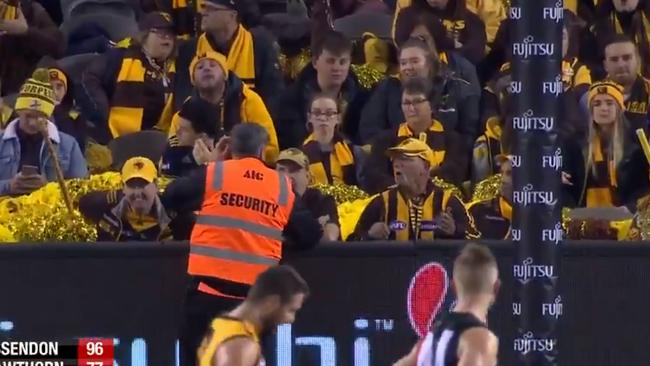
[{"x": 86, "y": 352}]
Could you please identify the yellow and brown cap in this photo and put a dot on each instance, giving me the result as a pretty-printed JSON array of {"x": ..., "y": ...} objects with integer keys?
[
  {"x": 139, "y": 167},
  {"x": 412, "y": 147},
  {"x": 294, "y": 155}
]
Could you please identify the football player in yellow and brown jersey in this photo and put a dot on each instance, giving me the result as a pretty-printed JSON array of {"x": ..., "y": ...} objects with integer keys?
[{"x": 234, "y": 338}]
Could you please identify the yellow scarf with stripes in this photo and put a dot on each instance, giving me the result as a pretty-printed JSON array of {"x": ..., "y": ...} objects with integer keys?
[
  {"x": 127, "y": 110},
  {"x": 601, "y": 195},
  {"x": 341, "y": 158},
  {"x": 241, "y": 56},
  {"x": 9, "y": 9}
]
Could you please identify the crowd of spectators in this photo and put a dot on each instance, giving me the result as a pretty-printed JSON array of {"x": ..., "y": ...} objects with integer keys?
[{"x": 411, "y": 107}]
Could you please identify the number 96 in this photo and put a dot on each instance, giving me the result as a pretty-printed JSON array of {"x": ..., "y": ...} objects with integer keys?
[{"x": 94, "y": 349}]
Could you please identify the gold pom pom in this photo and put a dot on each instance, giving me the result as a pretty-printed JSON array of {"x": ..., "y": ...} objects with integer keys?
[
  {"x": 293, "y": 65},
  {"x": 448, "y": 186},
  {"x": 487, "y": 189},
  {"x": 341, "y": 192},
  {"x": 41, "y": 75},
  {"x": 367, "y": 75},
  {"x": 99, "y": 158},
  {"x": 43, "y": 217}
]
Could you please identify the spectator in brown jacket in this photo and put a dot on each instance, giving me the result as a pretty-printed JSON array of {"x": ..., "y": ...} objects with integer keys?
[
  {"x": 421, "y": 123},
  {"x": 26, "y": 38}
]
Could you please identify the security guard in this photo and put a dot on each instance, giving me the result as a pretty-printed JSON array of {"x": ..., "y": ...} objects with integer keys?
[{"x": 246, "y": 211}]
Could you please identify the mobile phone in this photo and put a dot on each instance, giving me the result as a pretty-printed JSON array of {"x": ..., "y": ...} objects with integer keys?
[{"x": 29, "y": 170}]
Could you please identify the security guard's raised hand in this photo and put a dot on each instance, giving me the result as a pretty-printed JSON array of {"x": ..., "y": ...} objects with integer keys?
[
  {"x": 379, "y": 230},
  {"x": 204, "y": 154},
  {"x": 222, "y": 149},
  {"x": 446, "y": 222}
]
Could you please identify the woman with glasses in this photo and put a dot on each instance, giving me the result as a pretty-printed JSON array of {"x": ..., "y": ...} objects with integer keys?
[
  {"x": 331, "y": 157},
  {"x": 130, "y": 88},
  {"x": 421, "y": 123}
]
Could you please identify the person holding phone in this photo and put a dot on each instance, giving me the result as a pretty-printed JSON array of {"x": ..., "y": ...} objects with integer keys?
[
  {"x": 414, "y": 208},
  {"x": 25, "y": 160}
]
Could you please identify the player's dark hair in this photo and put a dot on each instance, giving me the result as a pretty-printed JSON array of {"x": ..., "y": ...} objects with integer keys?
[
  {"x": 283, "y": 281},
  {"x": 334, "y": 42}
]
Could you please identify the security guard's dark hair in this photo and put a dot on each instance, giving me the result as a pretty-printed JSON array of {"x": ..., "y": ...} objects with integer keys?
[
  {"x": 283, "y": 281},
  {"x": 248, "y": 139}
]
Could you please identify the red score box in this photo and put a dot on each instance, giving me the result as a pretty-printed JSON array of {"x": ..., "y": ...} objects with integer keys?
[{"x": 95, "y": 352}]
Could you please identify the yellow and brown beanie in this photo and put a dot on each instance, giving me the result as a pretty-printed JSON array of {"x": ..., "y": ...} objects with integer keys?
[
  {"x": 37, "y": 94},
  {"x": 610, "y": 88},
  {"x": 211, "y": 55}
]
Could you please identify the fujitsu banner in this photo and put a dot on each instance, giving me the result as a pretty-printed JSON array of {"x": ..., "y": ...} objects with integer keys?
[{"x": 536, "y": 89}]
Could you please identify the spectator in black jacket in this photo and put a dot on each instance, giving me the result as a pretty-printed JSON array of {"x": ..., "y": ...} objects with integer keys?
[
  {"x": 449, "y": 163},
  {"x": 295, "y": 164},
  {"x": 195, "y": 123},
  {"x": 250, "y": 53},
  {"x": 465, "y": 28},
  {"x": 329, "y": 73},
  {"x": 458, "y": 99},
  {"x": 135, "y": 213}
]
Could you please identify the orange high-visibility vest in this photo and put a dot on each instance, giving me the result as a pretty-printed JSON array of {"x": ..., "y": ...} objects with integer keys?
[{"x": 238, "y": 232}]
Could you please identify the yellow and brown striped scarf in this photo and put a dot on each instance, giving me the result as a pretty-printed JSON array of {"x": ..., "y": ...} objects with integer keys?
[
  {"x": 601, "y": 186},
  {"x": 8, "y": 9},
  {"x": 142, "y": 97},
  {"x": 338, "y": 169},
  {"x": 409, "y": 220},
  {"x": 241, "y": 56}
]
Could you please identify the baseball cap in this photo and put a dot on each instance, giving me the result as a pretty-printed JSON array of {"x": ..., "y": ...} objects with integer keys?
[
  {"x": 139, "y": 167},
  {"x": 294, "y": 155},
  {"x": 156, "y": 20},
  {"x": 412, "y": 147}
]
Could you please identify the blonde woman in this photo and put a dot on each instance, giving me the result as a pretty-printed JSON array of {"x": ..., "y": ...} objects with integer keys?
[{"x": 614, "y": 172}]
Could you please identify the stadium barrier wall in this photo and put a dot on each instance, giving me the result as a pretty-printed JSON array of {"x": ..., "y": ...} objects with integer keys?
[{"x": 368, "y": 300}]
